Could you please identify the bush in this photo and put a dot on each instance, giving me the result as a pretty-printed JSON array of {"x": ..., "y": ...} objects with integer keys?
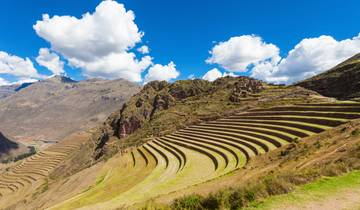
[
  {"x": 191, "y": 202},
  {"x": 236, "y": 200},
  {"x": 211, "y": 202},
  {"x": 356, "y": 132},
  {"x": 276, "y": 186}
]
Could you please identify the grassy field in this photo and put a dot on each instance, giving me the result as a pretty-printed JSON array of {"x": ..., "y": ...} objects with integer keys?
[{"x": 328, "y": 190}]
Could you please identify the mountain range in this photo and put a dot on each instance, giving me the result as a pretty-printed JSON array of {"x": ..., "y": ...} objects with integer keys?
[{"x": 49, "y": 110}]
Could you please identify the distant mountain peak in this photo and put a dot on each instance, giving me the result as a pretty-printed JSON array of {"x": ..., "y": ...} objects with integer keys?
[{"x": 60, "y": 79}]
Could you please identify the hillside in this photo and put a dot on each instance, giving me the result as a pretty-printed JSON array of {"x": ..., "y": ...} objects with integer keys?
[
  {"x": 341, "y": 82},
  {"x": 218, "y": 126},
  {"x": 51, "y": 109},
  {"x": 192, "y": 136},
  {"x": 161, "y": 107},
  {"x": 10, "y": 149}
]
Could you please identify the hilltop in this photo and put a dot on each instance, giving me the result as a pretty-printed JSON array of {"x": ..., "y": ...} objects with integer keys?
[
  {"x": 341, "y": 82},
  {"x": 49, "y": 110}
]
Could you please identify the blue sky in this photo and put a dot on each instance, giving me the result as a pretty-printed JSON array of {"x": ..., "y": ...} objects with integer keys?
[{"x": 185, "y": 31}]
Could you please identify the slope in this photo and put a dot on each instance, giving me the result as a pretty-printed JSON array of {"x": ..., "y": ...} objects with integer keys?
[
  {"x": 10, "y": 149},
  {"x": 227, "y": 144},
  {"x": 51, "y": 109},
  {"x": 341, "y": 82}
]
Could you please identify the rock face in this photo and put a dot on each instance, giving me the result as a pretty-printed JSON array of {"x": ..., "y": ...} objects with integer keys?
[
  {"x": 155, "y": 96},
  {"x": 341, "y": 82},
  {"x": 158, "y": 96},
  {"x": 53, "y": 108},
  {"x": 244, "y": 88}
]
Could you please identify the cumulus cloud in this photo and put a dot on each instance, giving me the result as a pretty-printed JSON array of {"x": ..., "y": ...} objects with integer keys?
[
  {"x": 143, "y": 49},
  {"x": 98, "y": 42},
  {"x": 308, "y": 58},
  {"x": 50, "y": 60},
  {"x": 215, "y": 73},
  {"x": 238, "y": 53},
  {"x": 116, "y": 65},
  {"x": 212, "y": 75},
  {"x": 17, "y": 66},
  {"x": 162, "y": 72}
]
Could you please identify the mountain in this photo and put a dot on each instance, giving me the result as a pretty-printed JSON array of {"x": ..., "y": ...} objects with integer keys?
[
  {"x": 341, "y": 82},
  {"x": 51, "y": 109}
]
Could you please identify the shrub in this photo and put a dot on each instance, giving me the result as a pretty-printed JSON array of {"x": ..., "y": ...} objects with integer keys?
[
  {"x": 250, "y": 195},
  {"x": 236, "y": 200},
  {"x": 191, "y": 202},
  {"x": 211, "y": 202},
  {"x": 356, "y": 132},
  {"x": 276, "y": 186}
]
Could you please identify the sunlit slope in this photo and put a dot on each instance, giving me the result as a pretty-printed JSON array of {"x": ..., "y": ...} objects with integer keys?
[
  {"x": 205, "y": 151},
  {"x": 31, "y": 173}
]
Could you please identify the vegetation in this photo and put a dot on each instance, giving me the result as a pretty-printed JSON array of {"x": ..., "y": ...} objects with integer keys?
[
  {"x": 31, "y": 152},
  {"x": 36, "y": 168},
  {"x": 218, "y": 148},
  {"x": 178, "y": 137}
]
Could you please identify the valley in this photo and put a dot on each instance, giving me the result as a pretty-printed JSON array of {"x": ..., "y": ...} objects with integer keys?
[{"x": 185, "y": 160}]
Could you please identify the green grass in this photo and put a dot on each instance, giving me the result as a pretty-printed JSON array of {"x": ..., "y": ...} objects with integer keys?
[{"x": 317, "y": 190}]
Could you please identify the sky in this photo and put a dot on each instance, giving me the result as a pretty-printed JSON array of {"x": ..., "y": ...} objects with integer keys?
[{"x": 275, "y": 41}]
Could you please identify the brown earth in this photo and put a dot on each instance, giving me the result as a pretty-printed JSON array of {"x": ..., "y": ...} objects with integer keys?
[{"x": 49, "y": 110}]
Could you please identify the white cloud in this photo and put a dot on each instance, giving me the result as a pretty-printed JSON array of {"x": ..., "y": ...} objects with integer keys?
[
  {"x": 98, "y": 42},
  {"x": 116, "y": 65},
  {"x": 3, "y": 82},
  {"x": 310, "y": 57},
  {"x": 17, "y": 66},
  {"x": 50, "y": 60},
  {"x": 160, "y": 72},
  {"x": 214, "y": 74},
  {"x": 238, "y": 53},
  {"x": 143, "y": 49}
]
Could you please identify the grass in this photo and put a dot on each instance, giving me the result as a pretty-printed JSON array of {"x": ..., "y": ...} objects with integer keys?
[
  {"x": 317, "y": 190},
  {"x": 150, "y": 170}
]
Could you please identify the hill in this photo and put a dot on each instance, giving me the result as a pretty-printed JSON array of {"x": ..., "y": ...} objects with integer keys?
[
  {"x": 51, "y": 109},
  {"x": 191, "y": 136},
  {"x": 341, "y": 82},
  {"x": 10, "y": 150}
]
